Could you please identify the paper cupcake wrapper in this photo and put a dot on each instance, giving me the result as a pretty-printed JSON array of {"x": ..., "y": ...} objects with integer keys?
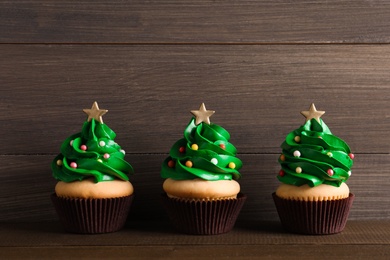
[
  {"x": 92, "y": 216},
  {"x": 313, "y": 217},
  {"x": 203, "y": 217}
]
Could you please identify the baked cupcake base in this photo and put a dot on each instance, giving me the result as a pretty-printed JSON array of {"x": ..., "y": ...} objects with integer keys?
[
  {"x": 313, "y": 217},
  {"x": 92, "y": 216},
  {"x": 199, "y": 217}
]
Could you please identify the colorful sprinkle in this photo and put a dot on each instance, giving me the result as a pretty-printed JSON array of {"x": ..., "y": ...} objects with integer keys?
[
  {"x": 182, "y": 149},
  {"x": 349, "y": 173},
  {"x": 83, "y": 147},
  {"x": 102, "y": 143},
  {"x": 73, "y": 165},
  {"x": 59, "y": 162},
  {"x": 282, "y": 157},
  {"x": 232, "y": 165},
  {"x": 189, "y": 164},
  {"x": 106, "y": 156},
  {"x": 223, "y": 146},
  {"x": 194, "y": 147},
  {"x": 281, "y": 173},
  {"x": 297, "y": 153},
  {"x": 122, "y": 151},
  {"x": 297, "y": 139},
  {"x": 99, "y": 160},
  {"x": 329, "y": 154},
  {"x": 214, "y": 161},
  {"x": 171, "y": 164},
  {"x": 330, "y": 172},
  {"x": 298, "y": 170},
  {"x": 351, "y": 155},
  {"x": 71, "y": 143}
]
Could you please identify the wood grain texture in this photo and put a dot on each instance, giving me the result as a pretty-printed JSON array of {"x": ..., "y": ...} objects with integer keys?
[
  {"x": 205, "y": 252},
  {"x": 153, "y": 233},
  {"x": 26, "y": 183},
  {"x": 156, "y": 240},
  {"x": 257, "y": 92},
  {"x": 257, "y": 63},
  {"x": 194, "y": 22}
]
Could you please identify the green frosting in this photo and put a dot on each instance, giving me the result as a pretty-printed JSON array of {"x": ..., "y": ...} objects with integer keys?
[
  {"x": 91, "y": 153},
  {"x": 214, "y": 158},
  {"x": 321, "y": 157}
]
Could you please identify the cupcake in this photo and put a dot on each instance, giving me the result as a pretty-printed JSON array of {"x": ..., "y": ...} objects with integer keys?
[
  {"x": 202, "y": 196},
  {"x": 93, "y": 193},
  {"x": 313, "y": 197}
]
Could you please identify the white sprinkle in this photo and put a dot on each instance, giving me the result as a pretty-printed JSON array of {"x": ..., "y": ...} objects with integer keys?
[{"x": 297, "y": 153}]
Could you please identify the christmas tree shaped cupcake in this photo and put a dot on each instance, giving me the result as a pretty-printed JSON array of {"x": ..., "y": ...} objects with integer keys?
[
  {"x": 93, "y": 193},
  {"x": 202, "y": 195},
  {"x": 315, "y": 164}
]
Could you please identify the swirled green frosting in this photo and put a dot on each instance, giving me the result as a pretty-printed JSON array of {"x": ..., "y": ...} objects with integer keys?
[
  {"x": 91, "y": 153},
  {"x": 204, "y": 152},
  {"x": 313, "y": 155}
]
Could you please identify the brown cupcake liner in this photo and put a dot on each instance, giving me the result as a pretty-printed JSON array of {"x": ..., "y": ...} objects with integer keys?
[
  {"x": 92, "y": 216},
  {"x": 203, "y": 217},
  {"x": 313, "y": 217}
]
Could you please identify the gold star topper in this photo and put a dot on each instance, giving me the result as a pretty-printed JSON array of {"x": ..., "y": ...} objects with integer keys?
[
  {"x": 312, "y": 113},
  {"x": 202, "y": 115},
  {"x": 95, "y": 113}
]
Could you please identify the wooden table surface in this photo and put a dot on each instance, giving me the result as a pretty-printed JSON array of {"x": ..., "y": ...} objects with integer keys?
[
  {"x": 157, "y": 240},
  {"x": 256, "y": 63}
]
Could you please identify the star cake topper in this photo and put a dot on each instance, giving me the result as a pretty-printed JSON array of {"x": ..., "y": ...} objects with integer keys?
[
  {"x": 202, "y": 115},
  {"x": 312, "y": 113},
  {"x": 95, "y": 113}
]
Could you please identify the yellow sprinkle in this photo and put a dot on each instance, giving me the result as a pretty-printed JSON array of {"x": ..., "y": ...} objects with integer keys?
[{"x": 194, "y": 147}]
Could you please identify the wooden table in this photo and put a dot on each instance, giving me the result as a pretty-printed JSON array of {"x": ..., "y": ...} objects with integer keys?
[{"x": 141, "y": 240}]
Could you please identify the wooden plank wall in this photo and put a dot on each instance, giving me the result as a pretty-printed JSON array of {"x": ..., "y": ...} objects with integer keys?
[{"x": 256, "y": 63}]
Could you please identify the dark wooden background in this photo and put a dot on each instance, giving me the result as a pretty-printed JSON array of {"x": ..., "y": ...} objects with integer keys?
[{"x": 256, "y": 63}]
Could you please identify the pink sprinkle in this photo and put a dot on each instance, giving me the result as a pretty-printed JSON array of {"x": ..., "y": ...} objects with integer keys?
[
  {"x": 281, "y": 173},
  {"x": 73, "y": 165},
  {"x": 106, "y": 156},
  {"x": 330, "y": 172},
  {"x": 83, "y": 147},
  {"x": 351, "y": 155}
]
